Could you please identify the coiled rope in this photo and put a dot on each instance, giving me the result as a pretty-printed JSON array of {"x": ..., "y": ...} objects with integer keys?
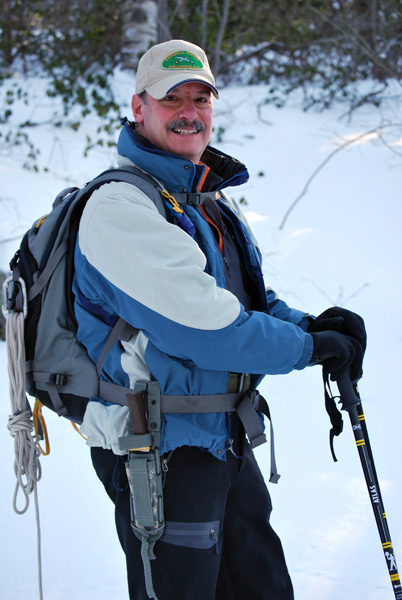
[{"x": 27, "y": 467}]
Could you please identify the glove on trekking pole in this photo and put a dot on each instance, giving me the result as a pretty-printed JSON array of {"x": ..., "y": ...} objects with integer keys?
[{"x": 351, "y": 402}]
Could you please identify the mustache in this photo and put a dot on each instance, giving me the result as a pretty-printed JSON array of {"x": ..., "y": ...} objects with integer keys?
[{"x": 184, "y": 124}]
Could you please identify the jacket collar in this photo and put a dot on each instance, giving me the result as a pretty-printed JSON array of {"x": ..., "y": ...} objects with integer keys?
[{"x": 217, "y": 171}]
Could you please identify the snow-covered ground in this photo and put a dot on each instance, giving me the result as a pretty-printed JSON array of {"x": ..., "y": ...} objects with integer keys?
[{"x": 340, "y": 245}]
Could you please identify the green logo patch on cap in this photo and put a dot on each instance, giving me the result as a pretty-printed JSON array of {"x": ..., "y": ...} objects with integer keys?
[{"x": 182, "y": 60}]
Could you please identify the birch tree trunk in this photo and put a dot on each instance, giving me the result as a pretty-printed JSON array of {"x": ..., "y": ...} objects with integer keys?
[{"x": 140, "y": 29}]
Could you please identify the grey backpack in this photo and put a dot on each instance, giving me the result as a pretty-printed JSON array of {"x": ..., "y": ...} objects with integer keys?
[{"x": 59, "y": 371}]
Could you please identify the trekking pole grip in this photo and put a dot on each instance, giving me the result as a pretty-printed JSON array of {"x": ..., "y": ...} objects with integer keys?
[{"x": 349, "y": 393}]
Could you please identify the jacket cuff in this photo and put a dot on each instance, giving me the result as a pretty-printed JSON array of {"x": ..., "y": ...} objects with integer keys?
[{"x": 307, "y": 353}]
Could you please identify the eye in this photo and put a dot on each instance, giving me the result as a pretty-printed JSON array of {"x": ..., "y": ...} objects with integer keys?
[{"x": 204, "y": 99}]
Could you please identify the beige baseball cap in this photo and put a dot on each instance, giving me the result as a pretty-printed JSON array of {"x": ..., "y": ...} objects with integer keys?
[{"x": 166, "y": 66}]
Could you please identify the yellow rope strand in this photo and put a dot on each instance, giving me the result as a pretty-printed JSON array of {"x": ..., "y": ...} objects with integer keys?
[
  {"x": 77, "y": 430},
  {"x": 173, "y": 201},
  {"x": 38, "y": 417}
]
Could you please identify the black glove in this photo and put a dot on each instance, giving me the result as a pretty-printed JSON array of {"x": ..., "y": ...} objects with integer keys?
[
  {"x": 342, "y": 320},
  {"x": 337, "y": 353},
  {"x": 346, "y": 322}
]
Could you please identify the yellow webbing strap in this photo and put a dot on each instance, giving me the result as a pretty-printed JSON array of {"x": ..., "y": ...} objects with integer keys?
[
  {"x": 77, "y": 430},
  {"x": 38, "y": 418}
]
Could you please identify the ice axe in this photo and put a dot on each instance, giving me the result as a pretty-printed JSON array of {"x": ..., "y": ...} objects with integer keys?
[{"x": 351, "y": 402}]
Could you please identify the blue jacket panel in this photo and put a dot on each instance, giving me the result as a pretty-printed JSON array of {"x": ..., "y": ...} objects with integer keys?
[{"x": 191, "y": 332}]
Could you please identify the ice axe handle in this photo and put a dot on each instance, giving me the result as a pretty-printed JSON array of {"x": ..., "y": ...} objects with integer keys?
[{"x": 349, "y": 393}]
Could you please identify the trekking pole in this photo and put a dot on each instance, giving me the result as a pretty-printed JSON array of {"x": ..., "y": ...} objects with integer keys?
[{"x": 351, "y": 402}]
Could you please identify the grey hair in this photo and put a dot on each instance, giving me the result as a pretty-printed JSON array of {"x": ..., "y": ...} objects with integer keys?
[{"x": 143, "y": 96}]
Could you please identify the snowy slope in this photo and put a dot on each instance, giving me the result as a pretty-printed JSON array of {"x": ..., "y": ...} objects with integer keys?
[{"x": 340, "y": 245}]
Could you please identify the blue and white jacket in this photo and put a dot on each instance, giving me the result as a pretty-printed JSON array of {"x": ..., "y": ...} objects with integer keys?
[{"x": 191, "y": 332}]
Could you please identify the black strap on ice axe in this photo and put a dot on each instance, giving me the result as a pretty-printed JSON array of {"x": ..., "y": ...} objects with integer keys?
[{"x": 350, "y": 401}]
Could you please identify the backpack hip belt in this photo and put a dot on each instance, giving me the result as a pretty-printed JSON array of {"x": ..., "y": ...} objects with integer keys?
[{"x": 245, "y": 404}]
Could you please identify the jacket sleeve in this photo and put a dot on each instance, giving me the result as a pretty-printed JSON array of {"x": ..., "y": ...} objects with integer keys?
[
  {"x": 279, "y": 309},
  {"x": 151, "y": 273}
]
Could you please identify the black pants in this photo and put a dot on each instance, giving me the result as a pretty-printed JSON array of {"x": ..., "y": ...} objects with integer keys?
[{"x": 218, "y": 543}]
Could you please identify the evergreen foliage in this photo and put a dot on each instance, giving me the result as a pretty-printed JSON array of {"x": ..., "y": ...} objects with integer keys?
[
  {"x": 321, "y": 47},
  {"x": 75, "y": 45}
]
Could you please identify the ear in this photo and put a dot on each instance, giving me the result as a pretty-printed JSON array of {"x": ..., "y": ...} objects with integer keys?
[{"x": 137, "y": 108}]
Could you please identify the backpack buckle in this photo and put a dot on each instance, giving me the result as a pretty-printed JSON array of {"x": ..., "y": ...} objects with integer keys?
[
  {"x": 193, "y": 198},
  {"x": 14, "y": 296},
  {"x": 58, "y": 378}
]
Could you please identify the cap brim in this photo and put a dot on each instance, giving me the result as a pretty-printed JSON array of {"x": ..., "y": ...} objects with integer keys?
[{"x": 161, "y": 88}]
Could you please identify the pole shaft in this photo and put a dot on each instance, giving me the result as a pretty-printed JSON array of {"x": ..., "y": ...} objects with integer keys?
[{"x": 359, "y": 427}]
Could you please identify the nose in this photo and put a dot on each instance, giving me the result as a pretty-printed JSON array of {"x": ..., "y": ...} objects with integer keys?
[{"x": 188, "y": 110}]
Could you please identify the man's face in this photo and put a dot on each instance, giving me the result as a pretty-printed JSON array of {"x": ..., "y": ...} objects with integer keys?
[{"x": 180, "y": 123}]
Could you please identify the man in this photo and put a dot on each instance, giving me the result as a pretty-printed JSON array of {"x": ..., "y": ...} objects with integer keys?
[{"x": 206, "y": 326}]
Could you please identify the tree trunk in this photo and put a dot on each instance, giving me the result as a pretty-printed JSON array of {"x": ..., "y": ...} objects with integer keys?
[
  {"x": 219, "y": 38},
  {"x": 140, "y": 29},
  {"x": 163, "y": 28},
  {"x": 204, "y": 24}
]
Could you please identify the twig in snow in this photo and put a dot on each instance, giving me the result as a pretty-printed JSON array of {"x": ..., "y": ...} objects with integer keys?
[{"x": 326, "y": 161}]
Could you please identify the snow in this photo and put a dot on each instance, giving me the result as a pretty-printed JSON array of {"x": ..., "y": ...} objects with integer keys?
[{"x": 341, "y": 244}]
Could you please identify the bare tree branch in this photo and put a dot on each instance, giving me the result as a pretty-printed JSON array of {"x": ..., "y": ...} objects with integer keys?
[
  {"x": 326, "y": 161},
  {"x": 388, "y": 146},
  {"x": 340, "y": 300},
  {"x": 278, "y": 47}
]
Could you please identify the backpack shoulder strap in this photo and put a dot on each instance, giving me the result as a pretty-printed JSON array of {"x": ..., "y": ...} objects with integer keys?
[
  {"x": 135, "y": 176},
  {"x": 147, "y": 184}
]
